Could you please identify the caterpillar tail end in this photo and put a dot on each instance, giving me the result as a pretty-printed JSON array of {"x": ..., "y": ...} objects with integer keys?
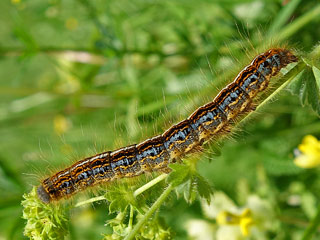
[{"x": 43, "y": 195}]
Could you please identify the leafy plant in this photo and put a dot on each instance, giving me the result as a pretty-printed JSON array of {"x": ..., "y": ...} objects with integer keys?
[{"x": 79, "y": 77}]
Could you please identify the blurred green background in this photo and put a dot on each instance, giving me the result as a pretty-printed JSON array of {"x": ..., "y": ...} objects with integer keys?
[{"x": 78, "y": 77}]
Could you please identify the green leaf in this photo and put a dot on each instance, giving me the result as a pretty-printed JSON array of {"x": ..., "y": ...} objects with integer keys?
[
  {"x": 197, "y": 186},
  {"x": 190, "y": 183},
  {"x": 179, "y": 174},
  {"x": 307, "y": 85},
  {"x": 297, "y": 86},
  {"x": 190, "y": 193},
  {"x": 204, "y": 188},
  {"x": 316, "y": 73},
  {"x": 120, "y": 197},
  {"x": 312, "y": 92}
]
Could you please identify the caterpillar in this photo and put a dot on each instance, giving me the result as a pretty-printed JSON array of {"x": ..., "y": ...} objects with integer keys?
[{"x": 183, "y": 138}]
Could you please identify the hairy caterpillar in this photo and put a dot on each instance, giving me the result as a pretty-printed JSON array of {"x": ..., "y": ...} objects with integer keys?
[{"x": 156, "y": 153}]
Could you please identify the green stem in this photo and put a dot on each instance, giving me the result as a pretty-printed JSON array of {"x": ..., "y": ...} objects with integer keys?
[
  {"x": 91, "y": 200},
  {"x": 149, "y": 184},
  {"x": 131, "y": 217},
  {"x": 312, "y": 228},
  {"x": 149, "y": 213},
  {"x": 299, "y": 23},
  {"x": 283, "y": 16}
]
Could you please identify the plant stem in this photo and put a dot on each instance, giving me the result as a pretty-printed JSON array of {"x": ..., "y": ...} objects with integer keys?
[
  {"x": 299, "y": 23},
  {"x": 91, "y": 200},
  {"x": 312, "y": 226},
  {"x": 283, "y": 16},
  {"x": 131, "y": 217},
  {"x": 148, "y": 214},
  {"x": 149, "y": 184}
]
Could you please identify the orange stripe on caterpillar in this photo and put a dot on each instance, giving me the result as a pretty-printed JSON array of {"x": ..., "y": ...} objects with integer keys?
[{"x": 156, "y": 153}]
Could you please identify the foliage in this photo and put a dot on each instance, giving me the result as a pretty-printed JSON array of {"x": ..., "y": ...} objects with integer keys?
[
  {"x": 80, "y": 77},
  {"x": 43, "y": 221}
]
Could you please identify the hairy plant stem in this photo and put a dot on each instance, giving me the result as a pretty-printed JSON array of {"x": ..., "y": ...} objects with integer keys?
[
  {"x": 149, "y": 213},
  {"x": 149, "y": 184},
  {"x": 131, "y": 217},
  {"x": 91, "y": 200},
  {"x": 135, "y": 194}
]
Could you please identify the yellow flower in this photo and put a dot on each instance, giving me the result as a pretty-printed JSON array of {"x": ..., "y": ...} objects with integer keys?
[
  {"x": 308, "y": 153},
  {"x": 253, "y": 220},
  {"x": 244, "y": 220}
]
